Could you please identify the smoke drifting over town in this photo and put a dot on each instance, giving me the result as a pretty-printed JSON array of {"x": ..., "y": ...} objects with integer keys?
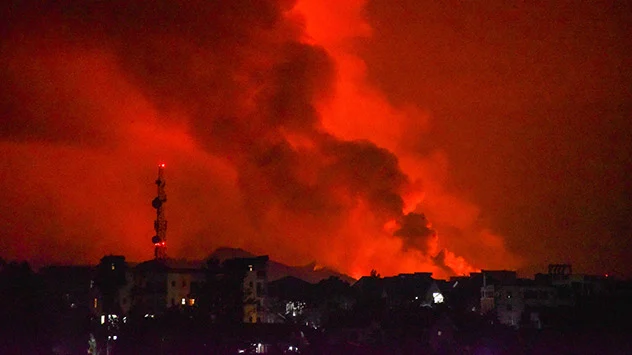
[{"x": 273, "y": 136}]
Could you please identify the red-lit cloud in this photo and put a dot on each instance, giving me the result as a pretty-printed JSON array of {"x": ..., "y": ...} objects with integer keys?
[{"x": 274, "y": 136}]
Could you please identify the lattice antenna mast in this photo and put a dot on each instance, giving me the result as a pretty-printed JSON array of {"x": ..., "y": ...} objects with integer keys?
[{"x": 160, "y": 224}]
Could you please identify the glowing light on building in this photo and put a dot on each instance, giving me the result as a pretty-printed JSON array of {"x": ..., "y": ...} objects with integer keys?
[{"x": 437, "y": 297}]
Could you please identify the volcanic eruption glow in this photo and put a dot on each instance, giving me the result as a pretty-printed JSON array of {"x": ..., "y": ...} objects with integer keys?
[{"x": 275, "y": 139}]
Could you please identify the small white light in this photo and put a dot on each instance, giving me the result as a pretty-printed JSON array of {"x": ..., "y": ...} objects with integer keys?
[
  {"x": 103, "y": 319},
  {"x": 115, "y": 337},
  {"x": 184, "y": 301},
  {"x": 437, "y": 297}
]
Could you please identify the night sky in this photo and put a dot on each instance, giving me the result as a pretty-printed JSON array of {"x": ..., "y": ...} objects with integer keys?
[{"x": 399, "y": 135}]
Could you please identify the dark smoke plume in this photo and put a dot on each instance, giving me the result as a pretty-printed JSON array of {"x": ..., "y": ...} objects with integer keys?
[
  {"x": 229, "y": 83},
  {"x": 416, "y": 231}
]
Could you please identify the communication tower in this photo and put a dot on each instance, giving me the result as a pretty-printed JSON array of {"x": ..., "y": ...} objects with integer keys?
[{"x": 160, "y": 224}]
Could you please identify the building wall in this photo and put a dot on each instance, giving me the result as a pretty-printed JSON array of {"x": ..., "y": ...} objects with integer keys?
[
  {"x": 512, "y": 301},
  {"x": 179, "y": 288},
  {"x": 150, "y": 291},
  {"x": 125, "y": 294},
  {"x": 488, "y": 299},
  {"x": 255, "y": 289},
  {"x": 155, "y": 291}
]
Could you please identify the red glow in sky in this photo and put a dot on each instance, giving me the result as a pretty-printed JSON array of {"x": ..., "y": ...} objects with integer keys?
[{"x": 359, "y": 134}]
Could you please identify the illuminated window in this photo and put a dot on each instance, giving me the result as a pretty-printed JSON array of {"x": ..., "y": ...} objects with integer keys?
[
  {"x": 103, "y": 319},
  {"x": 112, "y": 266},
  {"x": 437, "y": 297},
  {"x": 184, "y": 301},
  {"x": 191, "y": 301},
  {"x": 96, "y": 303},
  {"x": 250, "y": 267}
]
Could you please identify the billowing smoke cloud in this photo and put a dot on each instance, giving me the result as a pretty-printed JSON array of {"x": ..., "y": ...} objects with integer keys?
[
  {"x": 417, "y": 232},
  {"x": 243, "y": 102}
]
